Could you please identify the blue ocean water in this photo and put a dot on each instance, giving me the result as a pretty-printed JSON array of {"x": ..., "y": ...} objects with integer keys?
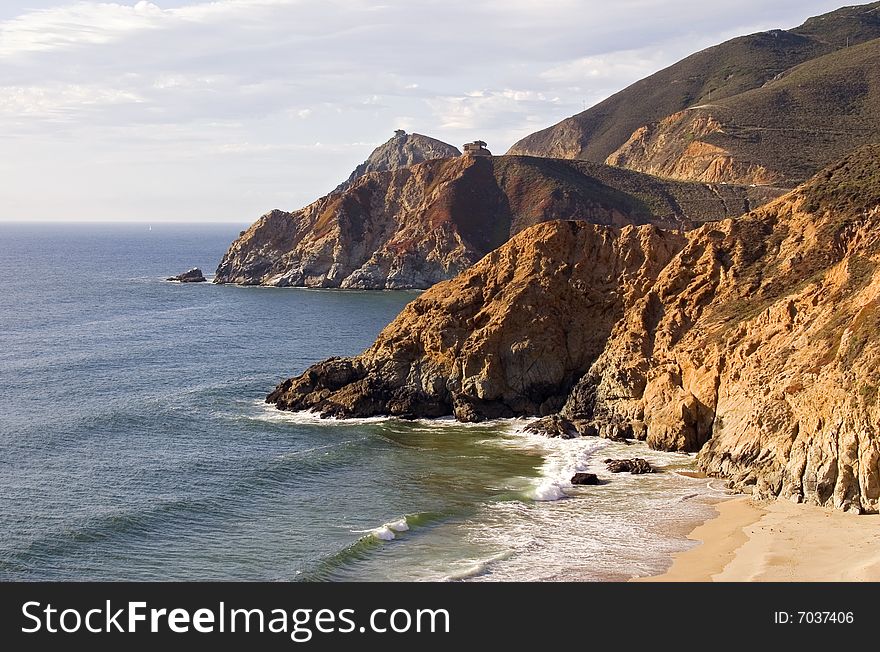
[{"x": 135, "y": 444}]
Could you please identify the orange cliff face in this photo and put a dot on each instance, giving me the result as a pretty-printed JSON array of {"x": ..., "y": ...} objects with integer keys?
[
  {"x": 678, "y": 147},
  {"x": 418, "y": 225},
  {"x": 753, "y": 341}
]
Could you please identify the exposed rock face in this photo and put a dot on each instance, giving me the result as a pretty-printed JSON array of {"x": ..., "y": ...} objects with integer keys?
[
  {"x": 402, "y": 151},
  {"x": 677, "y": 148},
  {"x": 192, "y": 276},
  {"x": 635, "y": 466},
  {"x": 787, "y": 103},
  {"x": 415, "y": 226},
  {"x": 555, "y": 425},
  {"x": 754, "y": 341},
  {"x": 509, "y": 336}
]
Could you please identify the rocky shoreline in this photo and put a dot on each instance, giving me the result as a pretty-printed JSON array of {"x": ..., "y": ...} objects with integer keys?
[{"x": 751, "y": 341}]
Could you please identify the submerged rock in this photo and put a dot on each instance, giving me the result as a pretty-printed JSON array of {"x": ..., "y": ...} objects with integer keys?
[{"x": 192, "y": 276}]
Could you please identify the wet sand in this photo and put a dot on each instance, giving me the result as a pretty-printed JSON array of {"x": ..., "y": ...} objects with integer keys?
[{"x": 779, "y": 541}]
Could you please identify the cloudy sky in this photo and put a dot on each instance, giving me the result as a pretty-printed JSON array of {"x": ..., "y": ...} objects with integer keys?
[{"x": 184, "y": 110}]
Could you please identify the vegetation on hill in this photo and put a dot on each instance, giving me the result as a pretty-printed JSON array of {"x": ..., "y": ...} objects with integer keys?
[{"x": 713, "y": 76}]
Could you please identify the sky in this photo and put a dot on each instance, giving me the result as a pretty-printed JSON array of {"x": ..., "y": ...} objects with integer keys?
[{"x": 180, "y": 110}]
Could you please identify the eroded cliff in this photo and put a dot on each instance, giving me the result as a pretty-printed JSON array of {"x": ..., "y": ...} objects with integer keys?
[
  {"x": 415, "y": 226},
  {"x": 403, "y": 150},
  {"x": 754, "y": 340}
]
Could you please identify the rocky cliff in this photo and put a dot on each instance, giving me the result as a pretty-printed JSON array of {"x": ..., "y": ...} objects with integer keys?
[
  {"x": 401, "y": 151},
  {"x": 782, "y": 135},
  {"x": 415, "y": 226},
  {"x": 753, "y": 340}
]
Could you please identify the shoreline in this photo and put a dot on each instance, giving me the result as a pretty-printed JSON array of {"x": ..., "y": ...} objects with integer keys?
[{"x": 747, "y": 541}]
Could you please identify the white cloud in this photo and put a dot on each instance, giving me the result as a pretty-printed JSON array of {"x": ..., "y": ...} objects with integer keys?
[
  {"x": 56, "y": 101},
  {"x": 222, "y": 102},
  {"x": 481, "y": 108},
  {"x": 89, "y": 23}
]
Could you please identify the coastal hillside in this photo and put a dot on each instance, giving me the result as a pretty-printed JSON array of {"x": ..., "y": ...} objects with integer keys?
[
  {"x": 751, "y": 340},
  {"x": 401, "y": 151},
  {"x": 830, "y": 113},
  {"x": 415, "y": 226},
  {"x": 780, "y": 133}
]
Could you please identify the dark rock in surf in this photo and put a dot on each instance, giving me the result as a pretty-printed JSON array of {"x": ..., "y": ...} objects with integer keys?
[
  {"x": 585, "y": 478},
  {"x": 636, "y": 466},
  {"x": 192, "y": 276},
  {"x": 554, "y": 426}
]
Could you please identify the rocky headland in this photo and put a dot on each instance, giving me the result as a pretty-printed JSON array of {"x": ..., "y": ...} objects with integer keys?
[
  {"x": 750, "y": 340},
  {"x": 414, "y": 226}
]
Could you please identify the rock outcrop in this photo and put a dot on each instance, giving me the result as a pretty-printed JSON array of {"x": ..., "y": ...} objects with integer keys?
[
  {"x": 582, "y": 478},
  {"x": 191, "y": 276},
  {"x": 753, "y": 341},
  {"x": 413, "y": 227},
  {"x": 678, "y": 147},
  {"x": 634, "y": 466},
  {"x": 401, "y": 151}
]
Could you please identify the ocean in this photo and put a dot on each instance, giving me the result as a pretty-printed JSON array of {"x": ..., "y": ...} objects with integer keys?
[{"x": 135, "y": 443}]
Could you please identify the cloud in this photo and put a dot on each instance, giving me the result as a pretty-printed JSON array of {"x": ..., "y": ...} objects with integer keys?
[
  {"x": 205, "y": 95},
  {"x": 55, "y": 101},
  {"x": 63, "y": 27}
]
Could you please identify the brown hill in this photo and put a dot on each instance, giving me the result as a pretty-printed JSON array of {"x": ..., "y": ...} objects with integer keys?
[
  {"x": 415, "y": 226},
  {"x": 752, "y": 340},
  {"x": 780, "y": 133},
  {"x": 711, "y": 77}
]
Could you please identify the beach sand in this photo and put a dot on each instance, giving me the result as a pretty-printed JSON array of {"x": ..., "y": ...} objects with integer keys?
[{"x": 779, "y": 541}]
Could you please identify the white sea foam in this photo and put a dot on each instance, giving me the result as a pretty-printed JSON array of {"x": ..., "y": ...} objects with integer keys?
[
  {"x": 478, "y": 567},
  {"x": 387, "y": 531},
  {"x": 562, "y": 459},
  {"x": 268, "y": 412},
  {"x": 627, "y": 527}
]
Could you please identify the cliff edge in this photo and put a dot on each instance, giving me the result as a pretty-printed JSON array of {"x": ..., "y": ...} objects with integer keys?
[
  {"x": 753, "y": 341},
  {"x": 418, "y": 225}
]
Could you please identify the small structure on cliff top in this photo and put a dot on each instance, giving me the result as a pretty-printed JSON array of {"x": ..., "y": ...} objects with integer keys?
[
  {"x": 476, "y": 148},
  {"x": 399, "y": 133}
]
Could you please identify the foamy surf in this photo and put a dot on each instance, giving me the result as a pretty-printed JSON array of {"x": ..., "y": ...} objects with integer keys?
[
  {"x": 562, "y": 459},
  {"x": 386, "y": 531},
  {"x": 479, "y": 567},
  {"x": 268, "y": 412}
]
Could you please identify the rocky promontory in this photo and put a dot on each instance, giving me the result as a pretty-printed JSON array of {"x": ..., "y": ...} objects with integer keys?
[
  {"x": 751, "y": 340},
  {"x": 418, "y": 225},
  {"x": 402, "y": 151}
]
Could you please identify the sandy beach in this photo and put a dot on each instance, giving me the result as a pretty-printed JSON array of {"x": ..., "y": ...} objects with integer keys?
[{"x": 779, "y": 541}]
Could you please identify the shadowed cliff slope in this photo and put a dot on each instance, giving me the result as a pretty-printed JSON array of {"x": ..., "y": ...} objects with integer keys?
[
  {"x": 754, "y": 341},
  {"x": 415, "y": 226}
]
